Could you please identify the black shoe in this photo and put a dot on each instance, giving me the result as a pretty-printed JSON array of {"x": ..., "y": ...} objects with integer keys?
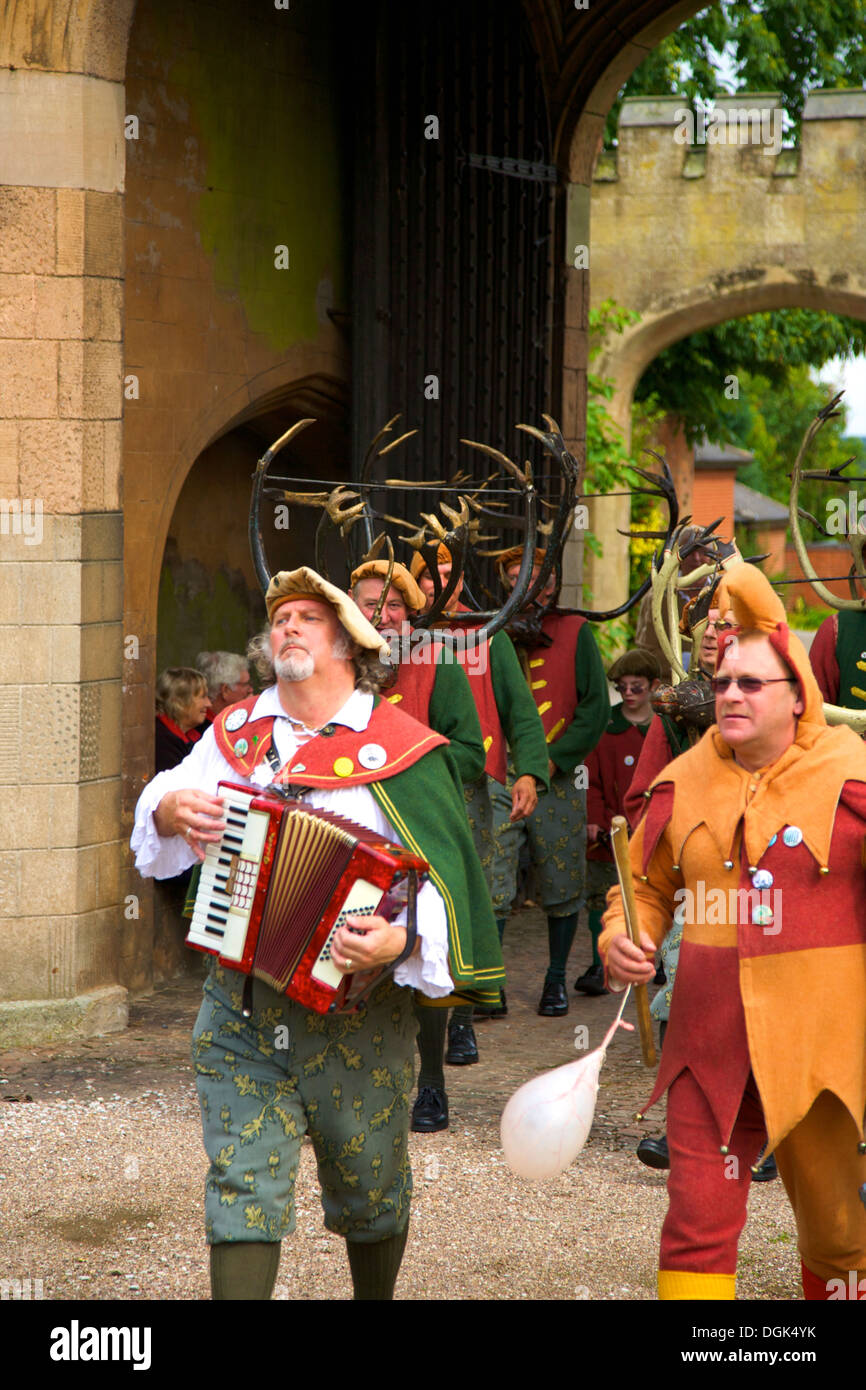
[
  {"x": 462, "y": 1047},
  {"x": 654, "y": 1152},
  {"x": 498, "y": 1011},
  {"x": 766, "y": 1171},
  {"x": 430, "y": 1111},
  {"x": 554, "y": 1000},
  {"x": 592, "y": 981}
]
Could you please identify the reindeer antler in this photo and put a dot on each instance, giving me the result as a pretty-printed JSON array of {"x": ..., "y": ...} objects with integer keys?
[
  {"x": 856, "y": 541},
  {"x": 257, "y": 545}
]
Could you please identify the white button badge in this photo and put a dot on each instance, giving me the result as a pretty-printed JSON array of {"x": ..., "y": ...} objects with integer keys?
[{"x": 372, "y": 756}]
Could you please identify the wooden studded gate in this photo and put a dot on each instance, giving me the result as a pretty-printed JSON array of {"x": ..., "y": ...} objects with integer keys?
[{"x": 453, "y": 225}]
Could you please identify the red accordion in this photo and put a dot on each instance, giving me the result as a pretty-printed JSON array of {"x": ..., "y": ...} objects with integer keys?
[{"x": 281, "y": 881}]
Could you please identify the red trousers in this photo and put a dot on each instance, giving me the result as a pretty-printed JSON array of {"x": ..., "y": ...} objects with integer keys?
[
  {"x": 708, "y": 1191},
  {"x": 819, "y": 1165}
]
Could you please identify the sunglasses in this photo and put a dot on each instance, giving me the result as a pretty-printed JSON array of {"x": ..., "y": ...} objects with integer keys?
[{"x": 749, "y": 685}]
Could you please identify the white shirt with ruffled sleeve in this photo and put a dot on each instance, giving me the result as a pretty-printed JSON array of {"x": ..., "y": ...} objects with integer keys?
[{"x": 158, "y": 856}]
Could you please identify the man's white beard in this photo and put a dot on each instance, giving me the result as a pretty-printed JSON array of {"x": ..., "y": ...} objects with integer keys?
[{"x": 297, "y": 666}]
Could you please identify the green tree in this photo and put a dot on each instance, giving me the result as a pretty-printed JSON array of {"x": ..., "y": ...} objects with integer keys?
[
  {"x": 787, "y": 46},
  {"x": 700, "y": 379},
  {"x": 772, "y": 426}
]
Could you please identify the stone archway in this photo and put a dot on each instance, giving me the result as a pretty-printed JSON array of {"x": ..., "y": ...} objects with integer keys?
[
  {"x": 690, "y": 239},
  {"x": 113, "y": 238}
]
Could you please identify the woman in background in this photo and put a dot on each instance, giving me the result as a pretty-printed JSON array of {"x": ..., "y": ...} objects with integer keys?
[{"x": 181, "y": 705}]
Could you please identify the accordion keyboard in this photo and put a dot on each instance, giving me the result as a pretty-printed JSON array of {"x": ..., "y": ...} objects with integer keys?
[{"x": 228, "y": 879}]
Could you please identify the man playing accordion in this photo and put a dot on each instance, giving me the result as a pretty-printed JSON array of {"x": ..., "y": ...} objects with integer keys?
[{"x": 269, "y": 1069}]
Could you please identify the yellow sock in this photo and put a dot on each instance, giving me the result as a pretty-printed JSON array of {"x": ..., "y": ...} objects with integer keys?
[{"x": 683, "y": 1284}]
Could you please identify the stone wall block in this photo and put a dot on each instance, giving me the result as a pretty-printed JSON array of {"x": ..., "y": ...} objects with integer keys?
[
  {"x": 109, "y": 872},
  {"x": 101, "y": 591},
  {"x": 49, "y": 881},
  {"x": 70, "y": 231},
  {"x": 63, "y": 814},
  {"x": 18, "y": 307},
  {"x": 93, "y": 465},
  {"x": 24, "y": 649},
  {"x": 135, "y": 936},
  {"x": 97, "y": 815},
  {"x": 103, "y": 235},
  {"x": 97, "y": 949},
  {"x": 50, "y": 467},
  {"x": 27, "y": 221},
  {"x": 112, "y": 460},
  {"x": 576, "y": 294},
  {"x": 22, "y": 971},
  {"x": 11, "y": 587},
  {"x": 59, "y": 306},
  {"x": 61, "y": 947},
  {"x": 10, "y": 735},
  {"x": 110, "y": 729},
  {"x": 28, "y": 380},
  {"x": 71, "y": 380},
  {"x": 26, "y": 818},
  {"x": 63, "y": 536},
  {"x": 102, "y": 536},
  {"x": 50, "y": 734},
  {"x": 53, "y": 593},
  {"x": 103, "y": 309},
  {"x": 65, "y": 650},
  {"x": 10, "y": 874},
  {"x": 8, "y": 459},
  {"x": 138, "y": 709},
  {"x": 148, "y": 430},
  {"x": 90, "y": 380},
  {"x": 101, "y": 652},
  {"x": 103, "y": 386},
  {"x": 91, "y": 715},
  {"x": 87, "y": 873}
]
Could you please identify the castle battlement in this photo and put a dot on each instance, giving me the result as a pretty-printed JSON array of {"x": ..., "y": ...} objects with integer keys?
[{"x": 663, "y": 138}]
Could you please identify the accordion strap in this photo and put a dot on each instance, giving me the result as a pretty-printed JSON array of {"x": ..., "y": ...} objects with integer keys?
[
  {"x": 411, "y": 938},
  {"x": 290, "y": 790}
]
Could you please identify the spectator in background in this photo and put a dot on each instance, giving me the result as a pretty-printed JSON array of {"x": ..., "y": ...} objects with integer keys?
[
  {"x": 181, "y": 705},
  {"x": 228, "y": 680},
  {"x": 610, "y": 767}
]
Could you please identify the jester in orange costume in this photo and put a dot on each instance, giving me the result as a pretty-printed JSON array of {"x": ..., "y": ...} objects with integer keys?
[{"x": 753, "y": 840}]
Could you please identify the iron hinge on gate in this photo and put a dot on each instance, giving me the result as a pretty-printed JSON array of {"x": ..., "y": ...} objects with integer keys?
[{"x": 514, "y": 168}]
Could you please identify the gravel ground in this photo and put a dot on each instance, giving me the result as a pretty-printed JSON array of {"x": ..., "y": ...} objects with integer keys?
[{"x": 102, "y": 1169}]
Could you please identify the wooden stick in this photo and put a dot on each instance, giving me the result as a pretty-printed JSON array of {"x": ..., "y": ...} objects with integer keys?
[{"x": 619, "y": 845}]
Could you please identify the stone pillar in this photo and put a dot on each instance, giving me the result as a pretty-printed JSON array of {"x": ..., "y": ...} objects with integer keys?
[
  {"x": 646, "y": 134},
  {"x": 574, "y": 358},
  {"x": 61, "y": 265}
]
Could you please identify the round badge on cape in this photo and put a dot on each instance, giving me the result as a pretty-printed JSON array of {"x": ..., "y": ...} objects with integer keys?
[
  {"x": 628, "y": 759},
  {"x": 241, "y": 747},
  {"x": 344, "y": 767},
  {"x": 761, "y": 879},
  {"x": 762, "y": 915},
  {"x": 792, "y": 836},
  {"x": 236, "y": 720},
  {"x": 372, "y": 756}
]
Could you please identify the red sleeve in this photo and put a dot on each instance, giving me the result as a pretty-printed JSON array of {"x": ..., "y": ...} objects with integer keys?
[
  {"x": 822, "y": 655},
  {"x": 655, "y": 754}
]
